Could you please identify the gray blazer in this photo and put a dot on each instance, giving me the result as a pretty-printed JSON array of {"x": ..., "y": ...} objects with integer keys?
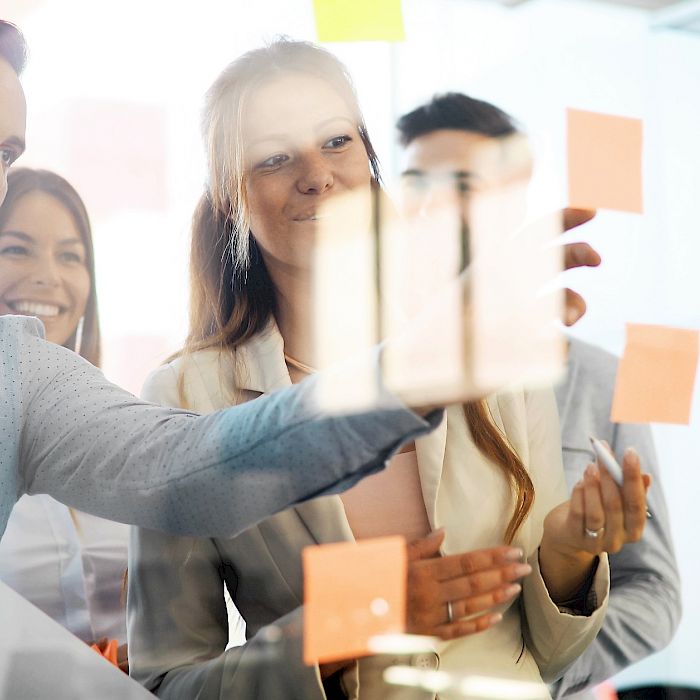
[{"x": 645, "y": 597}]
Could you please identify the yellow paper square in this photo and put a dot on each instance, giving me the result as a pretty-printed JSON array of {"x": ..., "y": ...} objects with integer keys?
[
  {"x": 353, "y": 591},
  {"x": 359, "y": 20},
  {"x": 605, "y": 161},
  {"x": 656, "y": 375}
]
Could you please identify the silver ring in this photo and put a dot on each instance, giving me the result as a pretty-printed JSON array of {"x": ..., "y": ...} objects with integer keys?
[
  {"x": 594, "y": 534},
  {"x": 450, "y": 614}
]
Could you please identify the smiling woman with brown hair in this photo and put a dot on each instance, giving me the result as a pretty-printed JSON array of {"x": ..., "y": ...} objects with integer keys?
[
  {"x": 68, "y": 563},
  {"x": 66, "y": 300}
]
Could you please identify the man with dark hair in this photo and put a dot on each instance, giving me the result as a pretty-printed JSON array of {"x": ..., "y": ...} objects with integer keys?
[
  {"x": 66, "y": 431},
  {"x": 455, "y": 111},
  {"x": 440, "y": 139}
]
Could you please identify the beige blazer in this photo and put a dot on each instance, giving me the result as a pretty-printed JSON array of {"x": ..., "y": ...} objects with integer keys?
[{"x": 177, "y": 615}]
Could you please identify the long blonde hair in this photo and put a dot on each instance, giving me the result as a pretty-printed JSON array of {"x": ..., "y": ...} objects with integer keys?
[{"x": 232, "y": 295}]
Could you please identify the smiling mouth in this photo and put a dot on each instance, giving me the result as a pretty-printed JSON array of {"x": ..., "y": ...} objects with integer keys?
[{"x": 35, "y": 308}]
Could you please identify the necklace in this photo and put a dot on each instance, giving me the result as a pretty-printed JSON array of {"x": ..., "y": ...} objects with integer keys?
[{"x": 297, "y": 364}]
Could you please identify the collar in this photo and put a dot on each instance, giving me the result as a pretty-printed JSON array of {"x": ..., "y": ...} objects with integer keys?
[{"x": 261, "y": 362}]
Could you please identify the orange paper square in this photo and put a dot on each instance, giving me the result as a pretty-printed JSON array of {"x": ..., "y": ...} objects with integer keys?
[
  {"x": 605, "y": 161},
  {"x": 656, "y": 375},
  {"x": 353, "y": 591}
]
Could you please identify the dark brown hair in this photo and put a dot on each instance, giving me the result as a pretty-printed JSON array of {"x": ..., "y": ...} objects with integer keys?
[
  {"x": 23, "y": 181},
  {"x": 454, "y": 110}
]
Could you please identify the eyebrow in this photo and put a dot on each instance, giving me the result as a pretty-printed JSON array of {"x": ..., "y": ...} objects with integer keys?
[
  {"x": 318, "y": 127},
  {"x": 29, "y": 239}
]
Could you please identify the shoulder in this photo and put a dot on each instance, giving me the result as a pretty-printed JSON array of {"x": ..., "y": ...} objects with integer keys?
[
  {"x": 186, "y": 376},
  {"x": 27, "y": 356},
  {"x": 13, "y": 328},
  {"x": 521, "y": 405},
  {"x": 528, "y": 417},
  {"x": 592, "y": 362}
]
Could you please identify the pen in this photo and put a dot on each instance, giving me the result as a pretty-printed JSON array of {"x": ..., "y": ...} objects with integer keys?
[{"x": 610, "y": 463}]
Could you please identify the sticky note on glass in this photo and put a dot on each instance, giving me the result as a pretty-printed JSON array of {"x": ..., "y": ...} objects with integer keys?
[
  {"x": 353, "y": 591},
  {"x": 656, "y": 375},
  {"x": 605, "y": 161},
  {"x": 359, "y": 20}
]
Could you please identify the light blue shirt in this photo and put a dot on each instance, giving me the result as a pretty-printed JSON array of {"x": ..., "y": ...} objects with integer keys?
[{"x": 66, "y": 431}]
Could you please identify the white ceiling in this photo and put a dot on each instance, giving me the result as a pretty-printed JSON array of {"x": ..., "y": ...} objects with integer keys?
[
  {"x": 665, "y": 14},
  {"x": 644, "y": 4}
]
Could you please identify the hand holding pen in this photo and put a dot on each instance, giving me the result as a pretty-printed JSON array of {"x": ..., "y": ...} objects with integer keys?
[
  {"x": 601, "y": 516},
  {"x": 604, "y": 454}
]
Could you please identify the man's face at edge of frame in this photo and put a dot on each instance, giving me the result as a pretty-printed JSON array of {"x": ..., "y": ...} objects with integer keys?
[{"x": 13, "y": 119}]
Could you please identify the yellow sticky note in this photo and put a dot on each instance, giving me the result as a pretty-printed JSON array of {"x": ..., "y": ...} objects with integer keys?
[
  {"x": 656, "y": 375},
  {"x": 605, "y": 161},
  {"x": 359, "y": 20},
  {"x": 353, "y": 591}
]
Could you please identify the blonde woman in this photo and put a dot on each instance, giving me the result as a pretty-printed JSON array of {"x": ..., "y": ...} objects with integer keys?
[{"x": 285, "y": 134}]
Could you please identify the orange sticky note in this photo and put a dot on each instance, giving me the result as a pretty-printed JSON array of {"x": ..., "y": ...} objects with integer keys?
[
  {"x": 656, "y": 375},
  {"x": 605, "y": 161},
  {"x": 353, "y": 591},
  {"x": 109, "y": 652},
  {"x": 359, "y": 20}
]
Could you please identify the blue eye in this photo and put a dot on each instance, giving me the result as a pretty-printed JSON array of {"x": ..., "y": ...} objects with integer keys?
[
  {"x": 338, "y": 141},
  {"x": 14, "y": 250},
  {"x": 72, "y": 258},
  {"x": 274, "y": 161}
]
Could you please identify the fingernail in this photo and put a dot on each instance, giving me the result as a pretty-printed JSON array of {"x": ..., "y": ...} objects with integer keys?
[
  {"x": 592, "y": 471},
  {"x": 515, "y": 554},
  {"x": 512, "y": 590},
  {"x": 631, "y": 453},
  {"x": 522, "y": 570},
  {"x": 495, "y": 618}
]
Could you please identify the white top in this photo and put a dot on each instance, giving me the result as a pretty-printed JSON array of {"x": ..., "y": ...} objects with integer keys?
[{"x": 70, "y": 565}]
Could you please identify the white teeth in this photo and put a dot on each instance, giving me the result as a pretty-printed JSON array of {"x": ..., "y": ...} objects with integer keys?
[{"x": 31, "y": 308}]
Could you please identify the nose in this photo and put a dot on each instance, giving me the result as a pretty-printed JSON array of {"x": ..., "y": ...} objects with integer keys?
[
  {"x": 316, "y": 175},
  {"x": 45, "y": 272},
  {"x": 439, "y": 196}
]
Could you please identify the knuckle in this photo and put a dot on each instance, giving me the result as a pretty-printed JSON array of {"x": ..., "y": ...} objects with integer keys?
[
  {"x": 636, "y": 534},
  {"x": 614, "y": 507},
  {"x": 468, "y": 565}
]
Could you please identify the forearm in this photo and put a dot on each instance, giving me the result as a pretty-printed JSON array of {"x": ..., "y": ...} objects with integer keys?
[
  {"x": 268, "y": 666},
  {"x": 564, "y": 574},
  {"x": 556, "y": 636},
  {"x": 93, "y": 446}
]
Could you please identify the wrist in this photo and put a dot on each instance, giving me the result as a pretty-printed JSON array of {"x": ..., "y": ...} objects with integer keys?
[{"x": 564, "y": 570}]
